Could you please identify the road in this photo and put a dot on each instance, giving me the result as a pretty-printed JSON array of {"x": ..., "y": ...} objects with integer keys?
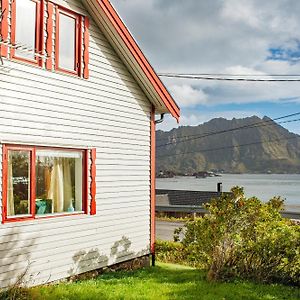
[{"x": 165, "y": 229}]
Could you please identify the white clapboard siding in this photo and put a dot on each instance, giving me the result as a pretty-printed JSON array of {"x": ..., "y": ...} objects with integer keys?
[
  {"x": 57, "y": 271},
  {"x": 61, "y": 117},
  {"x": 109, "y": 112},
  {"x": 65, "y": 263},
  {"x": 45, "y": 231},
  {"x": 62, "y": 259}
]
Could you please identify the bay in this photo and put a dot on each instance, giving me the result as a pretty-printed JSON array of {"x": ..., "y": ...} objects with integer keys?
[{"x": 263, "y": 186}]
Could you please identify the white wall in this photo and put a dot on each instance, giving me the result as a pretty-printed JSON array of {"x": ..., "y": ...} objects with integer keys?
[{"x": 109, "y": 112}]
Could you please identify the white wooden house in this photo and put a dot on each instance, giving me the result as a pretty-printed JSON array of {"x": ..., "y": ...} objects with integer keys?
[{"x": 78, "y": 101}]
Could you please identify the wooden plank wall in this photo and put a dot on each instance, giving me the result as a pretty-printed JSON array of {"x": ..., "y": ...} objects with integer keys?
[{"x": 108, "y": 112}]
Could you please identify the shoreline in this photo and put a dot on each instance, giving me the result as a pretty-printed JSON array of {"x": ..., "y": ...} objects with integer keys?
[{"x": 262, "y": 186}]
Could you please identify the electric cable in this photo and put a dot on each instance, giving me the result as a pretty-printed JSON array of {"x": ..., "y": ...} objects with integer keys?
[
  {"x": 257, "y": 124},
  {"x": 229, "y": 147},
  {"x": 227, "y": 78}
]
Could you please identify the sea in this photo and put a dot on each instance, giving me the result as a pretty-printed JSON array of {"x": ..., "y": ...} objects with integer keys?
[{"x": 263, "y": 186}]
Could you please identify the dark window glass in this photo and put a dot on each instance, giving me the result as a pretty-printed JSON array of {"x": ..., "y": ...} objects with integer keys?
[{"x": 18, "y": 191}]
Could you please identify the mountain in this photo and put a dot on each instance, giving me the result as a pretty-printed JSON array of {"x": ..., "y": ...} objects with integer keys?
[{"x": 222, "y": 151}]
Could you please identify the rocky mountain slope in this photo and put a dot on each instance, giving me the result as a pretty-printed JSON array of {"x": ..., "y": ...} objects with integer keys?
[{"x": 198, "y": 149}]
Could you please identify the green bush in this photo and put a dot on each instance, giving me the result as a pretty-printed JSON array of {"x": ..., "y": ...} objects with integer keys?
[
  {"x": 244, "y": 238},
  {"x": 175, "y": 253},
  {"x": 170, "y": 252}
]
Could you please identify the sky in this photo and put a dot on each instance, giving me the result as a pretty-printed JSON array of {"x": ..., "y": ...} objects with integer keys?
[{"x": 221, "y": 36}]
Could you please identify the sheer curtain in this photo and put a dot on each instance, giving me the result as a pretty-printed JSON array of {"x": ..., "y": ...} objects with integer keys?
[
  {"x": 56, "y": 191},
  {"x": 68, "y": 205},
  {"x": 10, "y": 190},
  {"x": 60, "y": 186}
]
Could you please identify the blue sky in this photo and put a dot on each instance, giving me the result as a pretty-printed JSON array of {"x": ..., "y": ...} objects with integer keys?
[
  {"x": 203, "y": 113},
  {"x": 232, "y": 37},
  {"x": 292, "y": 55}
]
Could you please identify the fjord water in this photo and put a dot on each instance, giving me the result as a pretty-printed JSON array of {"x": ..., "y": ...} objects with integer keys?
[{"x": 263, "y": 186}]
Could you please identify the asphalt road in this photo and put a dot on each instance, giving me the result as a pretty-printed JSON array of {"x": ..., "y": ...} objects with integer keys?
[{"x": 165, "y": 229}]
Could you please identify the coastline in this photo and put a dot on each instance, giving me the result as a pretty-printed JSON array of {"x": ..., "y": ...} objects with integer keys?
[{"x": 263, "y": 186}]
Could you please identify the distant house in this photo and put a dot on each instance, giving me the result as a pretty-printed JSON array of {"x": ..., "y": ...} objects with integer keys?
[
  {"x": 180, "y": 203},
  {"x": 78, "y": 101}
]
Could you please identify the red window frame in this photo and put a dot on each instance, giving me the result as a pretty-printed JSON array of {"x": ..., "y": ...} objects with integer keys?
[
  {"x": 32, "y": 150},
  {"x": 81, "y": 40},
  {"x": 78, "y": 41},
  {"x": 38, "y": 32}
]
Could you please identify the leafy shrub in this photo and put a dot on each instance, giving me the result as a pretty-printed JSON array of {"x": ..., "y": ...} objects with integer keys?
[
  {"x": 176, "y": 253},
  {"x": 170, "y": 252},
  {"x": 245, "y": 238}
]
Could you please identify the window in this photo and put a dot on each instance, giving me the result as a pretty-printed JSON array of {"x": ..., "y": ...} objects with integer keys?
[
  {"x": 58, "y": 181},
  {"x": 67, "y": 42},
  {"x": 47, "y": 35},
  {"x": 42, "y": 182},
  {"x": 25, "y": 30},
  {"x": 18, "y": 184}
]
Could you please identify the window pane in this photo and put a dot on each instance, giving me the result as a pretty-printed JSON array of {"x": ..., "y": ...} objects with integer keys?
[
  {"x": 67, "y": 42},
  {"x": 26, "y": 27},
  {"x": 58, "y": 181},
  {"x": 18, "y": 185}
]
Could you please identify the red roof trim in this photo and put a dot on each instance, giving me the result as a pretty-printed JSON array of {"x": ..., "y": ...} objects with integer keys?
[{"x": 129, "y": 41}]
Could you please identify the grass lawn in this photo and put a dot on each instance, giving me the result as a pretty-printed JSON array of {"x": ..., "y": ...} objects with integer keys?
[{"x": 162, "y": 282}]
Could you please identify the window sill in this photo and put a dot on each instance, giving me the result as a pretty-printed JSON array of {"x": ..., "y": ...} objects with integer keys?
[
  {"x": 67, "y": 72},
  {"x": 36, "y": 63},
  {"x": 57, "y": 215},
  {"x": 24, "y": 218}
]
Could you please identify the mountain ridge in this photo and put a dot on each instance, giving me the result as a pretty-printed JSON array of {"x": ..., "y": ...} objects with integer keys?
[{"x": 191, "y": 149}]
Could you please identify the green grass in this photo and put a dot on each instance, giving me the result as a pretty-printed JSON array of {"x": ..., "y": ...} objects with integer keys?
[{"x": 165, "y": 281}]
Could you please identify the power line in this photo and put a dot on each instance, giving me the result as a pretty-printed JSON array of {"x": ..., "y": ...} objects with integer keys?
[
  {"x": 257, "y": 124},
  {"x": 229, "y": 147},
  {"x": 206, "y": 134},
  {"x": 204, "y": 77},
  {"x": 230, "y": 75},
  {"x": 288, "y": 121}
]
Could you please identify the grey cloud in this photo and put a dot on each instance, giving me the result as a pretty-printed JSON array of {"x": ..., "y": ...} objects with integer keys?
[
  {"x": 214, "y": 36},
  {"x": 199, "y": 34}
]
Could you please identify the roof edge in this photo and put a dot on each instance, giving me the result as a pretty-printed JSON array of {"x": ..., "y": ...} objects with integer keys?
[{"x": 140, "y": 58}]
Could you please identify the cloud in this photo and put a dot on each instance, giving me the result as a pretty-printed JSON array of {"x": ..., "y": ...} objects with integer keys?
[
  {"x": 217, "y": 36},
  {"x": 194, "y": 118},
  {"x": 244, "y": 12},
  {"x": 203, "y": 36},
  {"x": 186, "y": 95}
]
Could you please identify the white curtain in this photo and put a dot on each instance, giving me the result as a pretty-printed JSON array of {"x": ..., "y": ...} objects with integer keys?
[
  {"x": 56, "y": 191},
  {"x": 78, "y": 184},
  {"x": 10, "y": 190},
  {"x": 61, "y": 186},
  {"x": 68, "y": 205}
]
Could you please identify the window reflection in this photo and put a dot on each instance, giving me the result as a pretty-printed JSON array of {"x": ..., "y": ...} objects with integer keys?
[
  {"x": 26, "y": 27},
  {"x": 67, "y": 42},
  {"x": 18, "y": 175}
]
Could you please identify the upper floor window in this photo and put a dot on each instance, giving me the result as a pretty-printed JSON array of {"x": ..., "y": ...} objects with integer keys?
[
  {"x": 48, "y": 35},
  {"x": 67, "y": 41},
  {"x": 26, "y": 30}
]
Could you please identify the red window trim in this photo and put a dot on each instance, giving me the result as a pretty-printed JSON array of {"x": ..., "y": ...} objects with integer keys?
[
  {"x": 86, "y": 54},
  {"x": 78, "y": 45},
  {"x": 81, "y": 40},
  {"x": 93, "y": 182},
  {"x": 49, "y": 42},
  {"x": 38, "y": 32},
  {"x": 4, "y": 27},
  {"x": 32, "y": 150}
]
